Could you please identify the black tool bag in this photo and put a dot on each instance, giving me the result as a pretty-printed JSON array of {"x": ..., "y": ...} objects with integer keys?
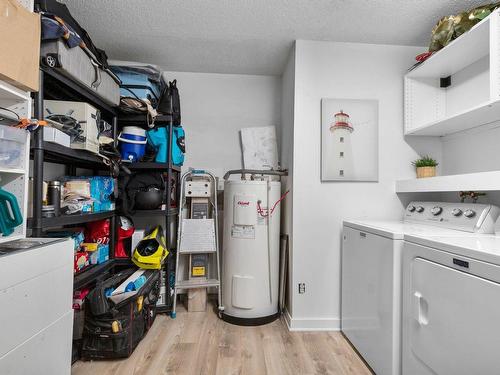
[{"x": 114, "y": 330}]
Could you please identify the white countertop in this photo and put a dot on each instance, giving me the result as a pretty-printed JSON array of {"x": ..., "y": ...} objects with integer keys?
[
  {"x": 480, "y": 246},
  {"x": 398, "y": 229}
]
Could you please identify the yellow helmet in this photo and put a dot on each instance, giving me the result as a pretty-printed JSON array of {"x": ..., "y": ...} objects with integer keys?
[{"x": 151, "y": 251}]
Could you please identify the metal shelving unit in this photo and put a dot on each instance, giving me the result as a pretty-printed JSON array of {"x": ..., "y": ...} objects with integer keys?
[
  {"x": 170, "y": 213},
  {"x": 142, "y": 119},
  {"x": 54, "y": 153},
  {"x": 54, "y": 85},
  {"x": 160, "y": 212},
  {"x": 62, "y": 220},
  {"x": 93, "y": 273},
  {"x": 152, "y": 166}
]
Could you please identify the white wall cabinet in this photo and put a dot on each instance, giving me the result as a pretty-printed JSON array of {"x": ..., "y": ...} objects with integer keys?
[{"x": 471, "y": 98}]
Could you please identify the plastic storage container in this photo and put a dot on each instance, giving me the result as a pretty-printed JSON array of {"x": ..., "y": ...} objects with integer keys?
[
  {"x": 140, "y": 81},
  {"x": 12, "y": 147}
]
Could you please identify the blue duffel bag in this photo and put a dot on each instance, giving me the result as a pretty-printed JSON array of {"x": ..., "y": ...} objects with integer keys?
[
  {"x": 140, "y": 82},
  {"x": 158, "y": 139}
]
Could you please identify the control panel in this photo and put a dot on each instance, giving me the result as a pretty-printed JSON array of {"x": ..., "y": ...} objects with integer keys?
[{"x": 469, "y": 217}]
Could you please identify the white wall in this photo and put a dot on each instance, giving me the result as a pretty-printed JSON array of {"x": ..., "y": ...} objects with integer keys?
[
  {"x": 469, "y": 151},
  {"x": 342, "y": 70},
  {"x": 214, "y": 107},
  {"x": 474, "y": 150}
]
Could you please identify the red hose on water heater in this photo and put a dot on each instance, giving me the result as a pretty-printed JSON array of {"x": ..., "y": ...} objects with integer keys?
[{"x": 261, "y": 211}]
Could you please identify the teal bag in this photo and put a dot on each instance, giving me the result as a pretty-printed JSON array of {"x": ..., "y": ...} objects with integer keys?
[
  {"x": 10, "y": 213},
  {"x": 158, "y": 139}
]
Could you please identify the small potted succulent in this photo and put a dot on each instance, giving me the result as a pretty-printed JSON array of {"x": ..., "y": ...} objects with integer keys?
[{"x": 426, "y": 166}]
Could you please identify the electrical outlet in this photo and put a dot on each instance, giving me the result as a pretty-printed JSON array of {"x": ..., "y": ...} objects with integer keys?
[{"x": 302, "y": 288}]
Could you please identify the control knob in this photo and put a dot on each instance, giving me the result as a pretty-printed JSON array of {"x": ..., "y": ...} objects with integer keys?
[
  {"x": 420, "y": 209},
  {"x": 469, "y": 213},
  {"x": 411, "y": 208},
  {"x": 436, "y": 210},
  {"x": 456, "y": 212}
]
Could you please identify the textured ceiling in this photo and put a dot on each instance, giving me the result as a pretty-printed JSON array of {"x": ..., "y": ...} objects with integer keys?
[{"x": 249, "y": 36}]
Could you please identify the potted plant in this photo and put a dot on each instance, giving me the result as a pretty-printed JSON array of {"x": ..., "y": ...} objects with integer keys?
[{"x": 426, "y": 167}]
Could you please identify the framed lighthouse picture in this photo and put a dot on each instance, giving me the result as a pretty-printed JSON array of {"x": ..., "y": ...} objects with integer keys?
[{"x": 349, "y": 140}]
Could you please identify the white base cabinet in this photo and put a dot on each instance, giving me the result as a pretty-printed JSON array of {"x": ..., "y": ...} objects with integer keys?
[{"x": 36, "y": 315}]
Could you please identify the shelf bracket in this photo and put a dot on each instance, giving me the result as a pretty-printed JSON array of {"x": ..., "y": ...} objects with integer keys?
[{"x": 445, "y": 82}]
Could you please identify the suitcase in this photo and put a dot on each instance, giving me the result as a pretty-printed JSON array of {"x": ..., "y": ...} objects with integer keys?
[
  {"x": 140, "y": 82},
  {"x": 115, "y": 330},
  {"x": 61, "y": 10},
  {"x": 77, "y": 65}
]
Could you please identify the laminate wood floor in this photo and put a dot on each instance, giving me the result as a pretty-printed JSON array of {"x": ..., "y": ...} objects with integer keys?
[{"x": 200, "y": 343}]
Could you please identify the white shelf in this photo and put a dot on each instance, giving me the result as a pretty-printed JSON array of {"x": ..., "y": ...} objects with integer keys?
[
  {"x": 12, "y": 237},
  {"x": 460, "y": 53},
  {"x": 12, "y": 170},
  {"x": 471, "y": 98},
  {"x": 15, "y": 180},
  {"x": 481, "y": 181},
  {"x": 10, "y": 95},
  {"x": 478, "y": 115}
]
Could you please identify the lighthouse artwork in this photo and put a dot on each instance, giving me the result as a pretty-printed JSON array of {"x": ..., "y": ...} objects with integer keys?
[
  {"x": 341, "y": 162},
  {"x": 349, "y": 146}
]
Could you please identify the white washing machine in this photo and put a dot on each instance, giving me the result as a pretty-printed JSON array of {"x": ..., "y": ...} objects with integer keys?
[
  {"x": 451, "y": 305},
  {"x": 371, "y": 305}
]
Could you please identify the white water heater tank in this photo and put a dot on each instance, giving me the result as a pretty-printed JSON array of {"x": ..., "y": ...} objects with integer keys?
[{"x": 250, "y": 257}]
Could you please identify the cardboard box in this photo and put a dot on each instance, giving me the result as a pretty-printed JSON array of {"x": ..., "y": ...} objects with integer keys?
[
  {"x": 197, "y": 300},
  {"x": 56, "y": 136},
  {"x": 20, "y": 45}
]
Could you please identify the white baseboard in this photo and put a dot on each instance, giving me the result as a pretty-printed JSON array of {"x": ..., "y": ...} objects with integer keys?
[{"x": 311, "y": 324}]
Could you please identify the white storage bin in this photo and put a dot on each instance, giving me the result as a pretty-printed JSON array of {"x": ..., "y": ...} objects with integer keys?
[
  {"x": 85, "y": 114},
  {"x": 12, "y": 147}
]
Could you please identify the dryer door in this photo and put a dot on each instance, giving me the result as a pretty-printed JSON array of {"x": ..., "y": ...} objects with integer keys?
[{"x": 455, "y": 324}]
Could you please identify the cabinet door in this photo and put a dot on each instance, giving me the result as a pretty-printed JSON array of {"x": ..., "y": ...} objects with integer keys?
[
  {"x": 367, "y": 299},
  {"x": 455, "y": 325}
]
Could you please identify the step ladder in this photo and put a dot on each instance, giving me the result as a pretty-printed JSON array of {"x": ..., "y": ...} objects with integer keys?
[{"x": 197, "y": 234}]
